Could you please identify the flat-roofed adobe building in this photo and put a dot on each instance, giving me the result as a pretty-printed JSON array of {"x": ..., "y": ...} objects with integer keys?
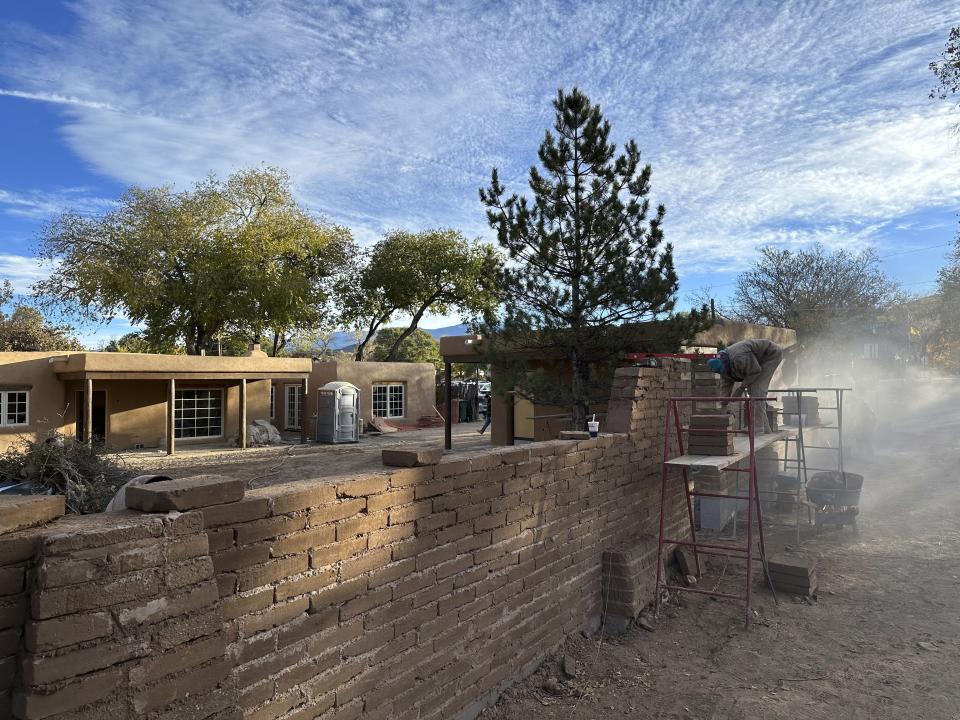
[{"x": 134, "y": 400}]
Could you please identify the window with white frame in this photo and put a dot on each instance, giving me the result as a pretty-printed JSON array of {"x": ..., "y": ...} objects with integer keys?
[
  {"x": 13, "y": 407},
  {"x": 388, "y": 400},
  {"x": 198, "y": 413},
  {"x": 293, "y": 404}
]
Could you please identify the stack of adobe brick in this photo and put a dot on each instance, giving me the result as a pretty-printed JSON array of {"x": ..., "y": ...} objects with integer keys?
[{"x": 124, "y": 622}]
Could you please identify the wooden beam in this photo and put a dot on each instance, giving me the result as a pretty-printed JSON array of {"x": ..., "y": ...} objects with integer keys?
[
  {"x": 243, "y": 414},
  {"x": 171, "y": 416},
  {"x": 304, "y": 412},
  {"x": 88, "y": 411},
  {"x": 448, "y": 407}
]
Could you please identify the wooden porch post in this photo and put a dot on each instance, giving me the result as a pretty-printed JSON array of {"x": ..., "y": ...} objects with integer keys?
[
  {"x": 88, "y": 411},
  {"x": 304, "y": 412},
  {"x": 243, "y": 414},
  {"x": 171, "y": 414},
  {"x": 448, "y": 407}
]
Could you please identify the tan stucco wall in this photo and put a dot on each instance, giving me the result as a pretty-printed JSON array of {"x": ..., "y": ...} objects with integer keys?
[
  {"x": 136, "y": 409},
  {"x": 419, "y": 380},
  {"x": 47, "y": 401}
]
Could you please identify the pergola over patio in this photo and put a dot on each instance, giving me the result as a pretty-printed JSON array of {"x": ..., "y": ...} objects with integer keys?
[{"x": 94, "y": 367}]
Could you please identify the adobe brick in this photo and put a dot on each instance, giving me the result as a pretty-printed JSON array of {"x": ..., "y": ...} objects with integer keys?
[
  {"x": 275, "y": 708},
  {"x": 488, "y": 522},
  {"x": 188, "y": 547},
  {"x": 296, "y": 496},
  {"x": 369, "y": 640},
  {"x": 70, "y": 696},
  {"x": 299, "y": 674},
  {"x": 416, "y": 619},
  {"x": 436, "y": 521},
  {"x": 314, "y": 708},
  {"x": 307, "y": 626},
  {"x": 411, "y": 476},
  {"x": 184, "y": 493},
  {"x": 251, "y": 673},
  {"x": 13, "y": 611},
  {"x": 453, "y": 467},
  {"x": 454, "y": 567},
  {"x": 358, "y": 687},
  {"x": 304, "y": 584},
  {"x": 473, "y": 542},
  {"x": 271, "y": 571},
  {"x": 432, "y": 489},
  {"x": 257, "y": 695},
  {"x": 392, "y": 571},
  {"x": 220, "y": 539},
  {"x": 183, "y": 657},
  {"x": 336, "y": 551},
  {"x": 274, "y": 616},
  {"x": 188, "y": 572},
  {"x": 334, "y": 639},
  {"x": 505, "y": 533},
  {"x": 411, "y": 512},
  {"x": 338, "y": 594},
  {"x": 432, "y": 558},
  {"x": 227, "y": 584},
  {"x": 457, "y": 599},
  {"x": 471, "y": 609},
  {"x": 390, "y": 535},
  {"x": 361, "y": 487},
  {"x": 430, "y": 594},
  {"x": 238, "y": 512},
  {"x": 366, "y": 562},
  {"x": 18, "y": 547},
  {"x": 413, "y": 546},
  {"x": 472, "y": 512},
  {"x": 239, "y": 605},
  {"x": 73, "y": 599},
  {"x": 387, "y": 613},
  {"x": 255, "y": 647},
  {"x": 43, "y": 670},
  {"x": 361, "y": 524},
  {"x": 180, "y": 630},
  {"x": 155, "y": 610},
  {"x": 11, "y": 580},
  {"x": 333, "y": 679},
  {"x": 302, "y": 541},
  {"x": 268, "y": 528},
  {"x": 414, "y": 583},
  {"x": 390, "y": 499},
  {"x": 336, "y": 511},
  {"x": 372, "y": 599}
]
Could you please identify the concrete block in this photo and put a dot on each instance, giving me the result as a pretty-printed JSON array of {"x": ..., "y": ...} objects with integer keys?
[
  {"x": 411, "y": 458},
  {"x": 184, "y": 494},
  {"x": 18, "y": 512}
]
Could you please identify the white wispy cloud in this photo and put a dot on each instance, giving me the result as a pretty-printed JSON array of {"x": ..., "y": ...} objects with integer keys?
[
  {"x": 21, "y": 271},
  {"x": 786, "y": 123},
  {"x": 39, "y": 205},
  {"x": 57, "y": 99}
]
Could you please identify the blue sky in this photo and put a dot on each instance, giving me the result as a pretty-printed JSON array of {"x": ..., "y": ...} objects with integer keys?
[{"x": 765, "y": 122}]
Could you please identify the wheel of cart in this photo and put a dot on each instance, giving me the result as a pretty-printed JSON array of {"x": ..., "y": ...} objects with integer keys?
[{"x": 835, "y": 497}]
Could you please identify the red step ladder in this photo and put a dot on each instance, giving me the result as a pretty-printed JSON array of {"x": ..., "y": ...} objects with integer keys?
[{"x": 673, "y": 424}]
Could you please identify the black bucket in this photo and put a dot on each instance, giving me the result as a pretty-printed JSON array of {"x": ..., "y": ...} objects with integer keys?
[{"x": 835, "y": 489}]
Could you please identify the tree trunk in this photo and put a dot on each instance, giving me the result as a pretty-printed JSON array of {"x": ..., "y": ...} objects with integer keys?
[
  {"x": 371, "y": 331},
  {"x": 276, "y": 346},
  {"x": 392, "y": 355},
  {"x": 580, "y": 381}
]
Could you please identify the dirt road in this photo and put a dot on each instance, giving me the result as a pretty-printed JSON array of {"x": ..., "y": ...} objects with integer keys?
[{"x": 881, "y": 641}]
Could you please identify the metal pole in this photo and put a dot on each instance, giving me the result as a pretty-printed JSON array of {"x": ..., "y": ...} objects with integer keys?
[
  {"x": 686, "y": 485},
  {"x": 663, "y": 506},
  {"x": 751, "y": 479},
  {"x": 448, "y": 409},
  {"x": 304, "y": 411}
]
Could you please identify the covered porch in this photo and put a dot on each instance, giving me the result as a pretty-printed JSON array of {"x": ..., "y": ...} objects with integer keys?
[{"x": 136, "y": 401}]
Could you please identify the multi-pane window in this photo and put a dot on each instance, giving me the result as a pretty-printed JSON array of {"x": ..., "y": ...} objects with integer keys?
[
  {"x": 13, "y": 407},
  {"x": 293, "y": 404},
  {"x": 198, "y": 413},
  {"x": 388, "y": 401}
]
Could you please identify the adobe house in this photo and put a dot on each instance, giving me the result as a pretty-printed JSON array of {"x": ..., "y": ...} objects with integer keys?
[
  {"x": 134, "y": 400},
  {"x": 398, "y": 392},
  {"x": 518, "y": 418}
]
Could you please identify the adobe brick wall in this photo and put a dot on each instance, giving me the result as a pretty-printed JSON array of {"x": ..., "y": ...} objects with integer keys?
[{"x": 413, "y": 593}]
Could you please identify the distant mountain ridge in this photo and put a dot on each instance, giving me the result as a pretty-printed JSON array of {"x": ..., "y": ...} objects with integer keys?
[{"x": 343, "y": 340}]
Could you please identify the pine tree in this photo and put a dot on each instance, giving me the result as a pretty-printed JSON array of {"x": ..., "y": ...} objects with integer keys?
[{"x": 588, "y": 264}]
